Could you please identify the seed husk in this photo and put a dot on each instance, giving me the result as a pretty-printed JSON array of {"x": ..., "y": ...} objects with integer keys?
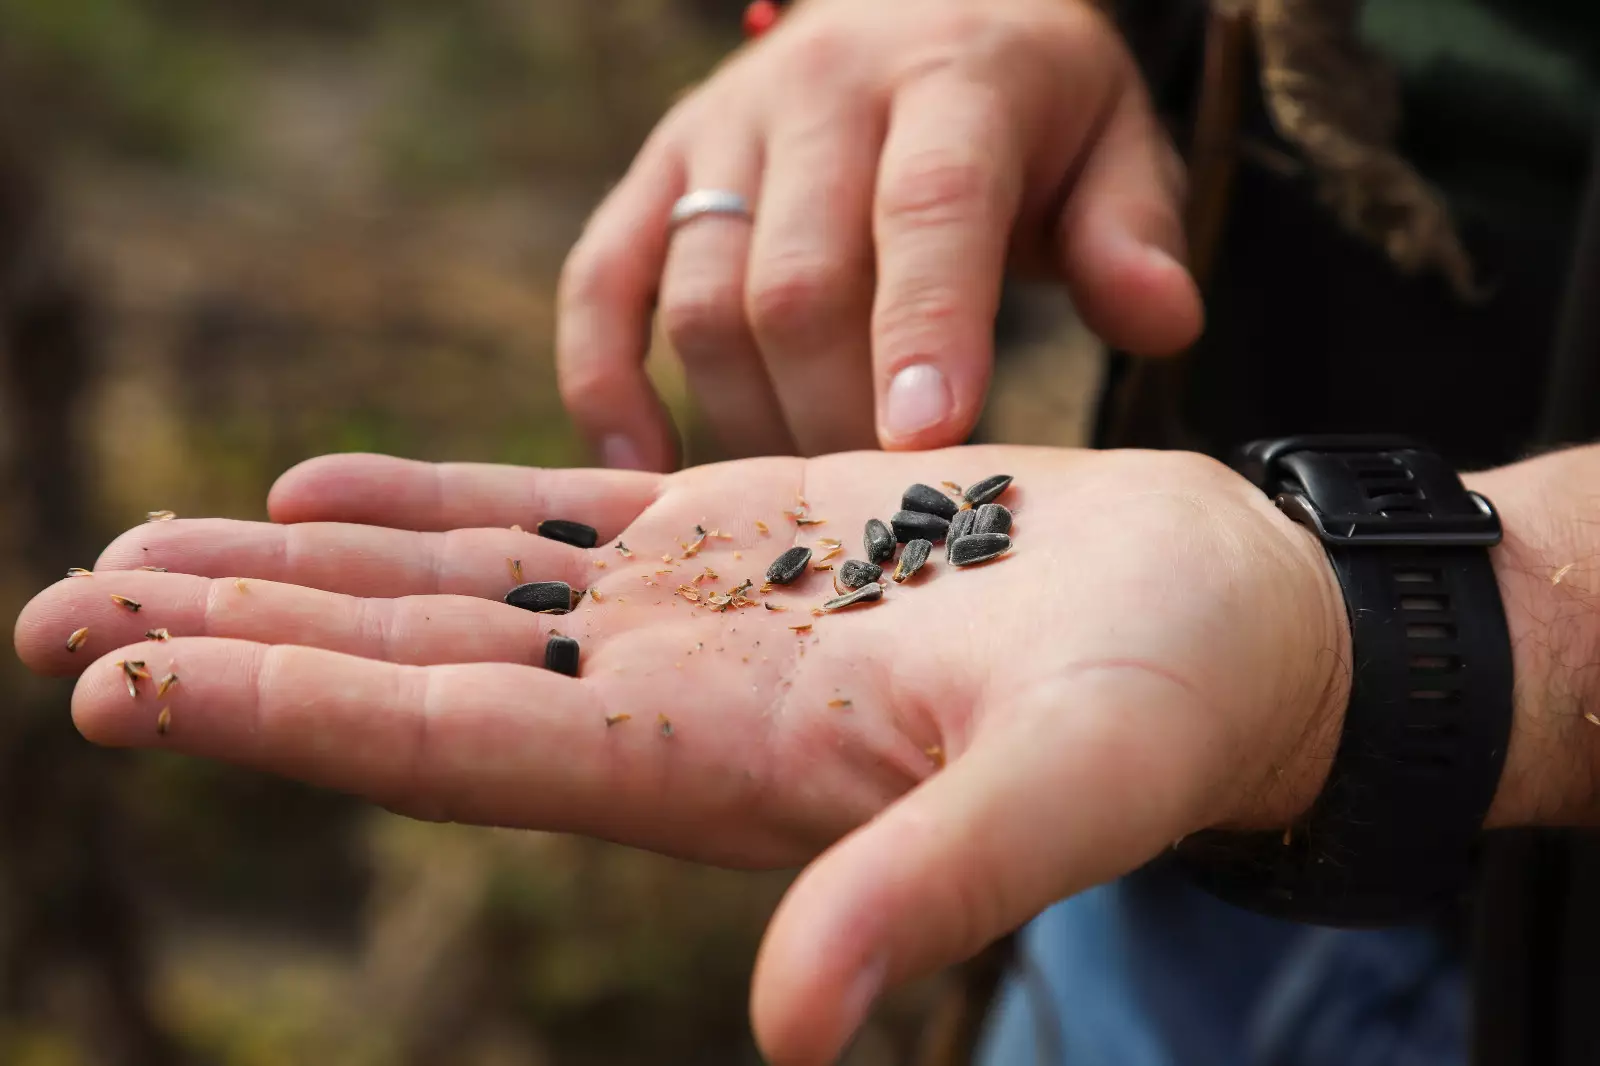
[
  {"x": 987, "y": 490},
  {"x": 154, "y": 569},
  {"x": 561, "y": 655},
  {"x": 915, "y": 525},
  {"x": 960, "y": 526},
  {"x": 542, "y": 597},
  {"x": 775, "y": 607},
  {"x": 617, "y": 719},
  {"x": 165, "y": 684},
  {"x": 869, "y": 593},
  {"x": 157, "y": 634},
  {"x": 786, "y": 568},
  {"x": 992, "y": 518},
  {"x": 665, "y": 723},
  {"x": 78, "y": 571},
  {"x": 164, "y": 721},
  {"x": 160, "y": 516},
  {"x": 624, "y": 551},
  {"x": 123, "y": 601},
  {"x": 912, "y": 557},
  {"x": 574, "y": 533},
  {"x": 75, "y": 641},
  {"x": 879, "y": 541},
  {"x": 515, "y": 566},
  {"x": 975, "y": 548},
  {"x": 928, "y": 500},
  {"x": 856, "y": 573}
]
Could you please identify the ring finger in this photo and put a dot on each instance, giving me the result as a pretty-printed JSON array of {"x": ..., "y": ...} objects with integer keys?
[{"x": 702, "y": 304}]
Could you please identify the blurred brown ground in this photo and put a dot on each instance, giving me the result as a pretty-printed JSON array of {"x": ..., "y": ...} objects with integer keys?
[{"x": 234, "y": 235}]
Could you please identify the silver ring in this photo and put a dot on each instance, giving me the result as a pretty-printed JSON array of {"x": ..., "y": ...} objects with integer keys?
[{"x": 703, "y": 202}]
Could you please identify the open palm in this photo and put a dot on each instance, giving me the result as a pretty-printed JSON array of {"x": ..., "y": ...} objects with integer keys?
[{"x": 980, "y": 743}]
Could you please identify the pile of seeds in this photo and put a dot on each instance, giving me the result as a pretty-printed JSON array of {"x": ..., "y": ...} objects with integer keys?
[{"x": 975, "y": 530}]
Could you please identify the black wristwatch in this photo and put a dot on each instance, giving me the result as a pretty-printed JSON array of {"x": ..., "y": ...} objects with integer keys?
[{"x": 1393, "y": 836}]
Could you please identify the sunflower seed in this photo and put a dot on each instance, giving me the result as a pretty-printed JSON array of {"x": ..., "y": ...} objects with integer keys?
[
  {"x": 960, "y": 526},
  {"x": 855, "y": 573},
  {"x": 911, "y": 559},
  {"x": 542, "y": 597},
  {"x": 561, "y": 655},
  {"x": 574, "y": 533},
  {"x": 879, "y": 542},
  {"x": 914, "y": 525},
  {"x": 928, "y": 501},
  {"x": 992, "y": 518},
  {"x": 789, "y": 566},
  {"x": 987, "y": 490},
  {"x": 977, "y": 548},
  {"x": 870, "y": 593}
]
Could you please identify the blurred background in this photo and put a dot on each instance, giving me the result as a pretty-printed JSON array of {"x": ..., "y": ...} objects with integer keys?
[{"x": 235, "y": 234}]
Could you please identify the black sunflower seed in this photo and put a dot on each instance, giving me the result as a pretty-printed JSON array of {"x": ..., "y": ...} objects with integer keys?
[
  {"x": 561, "y": 655},
  {"x": 914, "y": 525},
  {"x": 542, "y": 597},
  {"x": 960, "y": 526},
  {"x": 912, "y": 557},
  {"x": 865, "y": 594},
  {"x": 855, "y": 573},
  {"x": 879, "y": 542},
  {"x": 992, "y": 518},
  {"x": 928, "y": 501},
  {"x": 977, "y": 548},
  {"x": 987, "y": 490},
  {"x": 789, "y": 566},
  {"x": 575, "y": 533}
]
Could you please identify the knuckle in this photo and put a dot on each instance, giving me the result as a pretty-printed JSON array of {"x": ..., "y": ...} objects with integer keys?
[
  {"x": 919, "y": 319},
  {"x": 704, "y": 315},
  {"x": 936, "y": 188},
  {"x": 790, "y": 293},
  {"x": 589, "y": 276}
]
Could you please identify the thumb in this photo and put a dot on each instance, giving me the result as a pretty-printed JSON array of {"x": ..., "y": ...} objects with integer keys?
[
  {"x": 1121, "y": 237},
  {"x": 1111, "y": 773}
]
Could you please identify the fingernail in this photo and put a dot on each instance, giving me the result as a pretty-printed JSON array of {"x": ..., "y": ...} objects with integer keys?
[
  {"x": 861, "y": 995},
  {"x": 919, "y": 397},
  {"x": 619, "y": 453}
]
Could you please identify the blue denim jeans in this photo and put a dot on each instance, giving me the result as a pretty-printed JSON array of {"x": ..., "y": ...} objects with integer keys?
[{"x": 1150, "y": 971}]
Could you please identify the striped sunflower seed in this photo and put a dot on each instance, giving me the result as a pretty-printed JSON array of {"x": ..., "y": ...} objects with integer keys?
[
  {"x": 928, "y": 501},
  {"x": 914, "y": 525},
  {"x": 975, "y": 548},
  {"x": 879, "y": 542},
  {"x": 960, "y": 526},
  {"x": 561, "y": 655},
  {"x": 786, "y": 568},
  {"x": 870, "y": 593},
  {"x": 911, "y": 559},
  {"x": 855, "y": 573},
  {"x": 542, "y": 597},
  {"x": 574, "y": 533},
  {"x": 987, "y": 490},
  {"x": 992, "y": 518}
]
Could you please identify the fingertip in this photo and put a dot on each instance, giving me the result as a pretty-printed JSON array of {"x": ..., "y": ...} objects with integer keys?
[
  {"x": 813, "y": 986},
  {"x": 929, "y": 405},
  {"x": 1133, "y": 290}
]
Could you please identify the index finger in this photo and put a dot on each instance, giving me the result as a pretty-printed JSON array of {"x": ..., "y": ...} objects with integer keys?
[
  {"x": 949, "y": 190},
  {"x": 484, "y": 743}
]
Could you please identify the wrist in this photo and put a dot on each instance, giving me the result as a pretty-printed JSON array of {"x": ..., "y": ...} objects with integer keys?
[{"x": 1549, "y": 581}]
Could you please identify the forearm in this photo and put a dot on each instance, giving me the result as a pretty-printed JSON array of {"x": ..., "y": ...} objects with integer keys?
[{"x": 1549, "y": 573}]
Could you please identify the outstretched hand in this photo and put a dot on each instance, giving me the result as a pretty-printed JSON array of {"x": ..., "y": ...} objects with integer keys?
[{"x": 1161, "y": 652}]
